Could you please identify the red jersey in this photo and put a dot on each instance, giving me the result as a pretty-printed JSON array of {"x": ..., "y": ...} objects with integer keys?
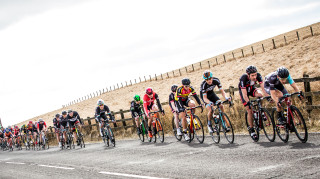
[
  {"x": 40, "y": 126},
  {"x": 148, "y": 102},
  {"x": 9, "y": 134},
  {"x": 16, "y": 131}
]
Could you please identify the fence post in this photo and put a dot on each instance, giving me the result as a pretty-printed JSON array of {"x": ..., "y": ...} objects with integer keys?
[
  {"x": 156, "y": 77},
  {"x": 97, "y": 123},
  {"x": 242, "y": 53},
  {"x": 285, "y": 40},
  {"x": 161, "y": 77},
  {"x": 233, "y": 55},
  {"x": 130, "y": 83},
  {"x": 274, "y": 44},
  {"x": 122, "y": 117},
  {"x": 140, "y": 79},
  {"x": 231, "y": 92},
  {"x": 186, "y": 70},
  {"x": 224, "y": 57},
  {"x": 114, "y": 124},
  {"x": 118, "y": 85},
  {"x": 179, "y": 72},
  {"x": 135, "y": 81},
  {"x": 167, "y": 75},
  {"x": 114, "y": 87},
  {"x": 200, "y": 66},
  {"x": 262, "y": 47},
  {"x": 145, "y": 79},
  {"x": 307, "y": 88},
  {"x": 89, "y": 123},
  {"x": 150, "y": 77},
  {"x": 311, "y": 31},
  {"x": 298, "y": 35},
  {"x": 252, "y": 50},
  {"x": 217, "y": 60},
  {"x": 173, "y": 73},
  {"x": 208, "y": 63},
  {"x": 192, "y": 67}
]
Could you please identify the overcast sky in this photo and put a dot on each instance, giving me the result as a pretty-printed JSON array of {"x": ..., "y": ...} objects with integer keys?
[{"x": 55, "y": 51}]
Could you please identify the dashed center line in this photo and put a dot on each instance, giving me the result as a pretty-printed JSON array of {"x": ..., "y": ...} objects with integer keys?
[
  {"x": 18, "y": 163},
  {"x": 50, "y": 166},
  {"x": 129, "y": 175}
]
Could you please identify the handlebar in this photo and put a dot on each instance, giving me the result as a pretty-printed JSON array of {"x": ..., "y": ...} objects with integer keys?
[
  {"x": 260, "y": 99},
  {"x": 289, "y": 95},
  {"x": 190, "y": 108},
  {"x": 223, "y": 102}
]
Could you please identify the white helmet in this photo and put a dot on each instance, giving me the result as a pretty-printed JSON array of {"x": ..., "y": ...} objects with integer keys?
[{"x": 100, "y": 102}]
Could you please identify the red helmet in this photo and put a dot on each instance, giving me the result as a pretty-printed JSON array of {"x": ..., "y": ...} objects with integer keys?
[
  {"x": 30, "y": 122},
  {"x": 149, "y": 91}
]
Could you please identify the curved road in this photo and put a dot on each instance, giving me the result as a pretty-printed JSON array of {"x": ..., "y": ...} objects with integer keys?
[{"x": 171, "y": 159}]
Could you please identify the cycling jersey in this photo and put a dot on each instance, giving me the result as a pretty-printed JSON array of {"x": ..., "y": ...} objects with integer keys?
[
  {"x": 9, "y": 134},
  {"x": 272, "y": 82},
  {"x": 16, "y": 131},
  {"x": 102, "y": 112},
  {"x": 149, "y": 102},
  {"x": 171, "y": 99},
  {"x": 56, "y": 123},
  {"x": 74, "y": 119},
  {"x": 136, "y": 108},
  {"x": 23, "y": 129},
  {"x": 246, "y": 83},
  {"x": 40, "y": 126},
  {"x": 206, "y": 89},
  {"x": 183, "y": 95},
  {"x": 64, "y": 121},
  {"x": 31, "y": 127}
]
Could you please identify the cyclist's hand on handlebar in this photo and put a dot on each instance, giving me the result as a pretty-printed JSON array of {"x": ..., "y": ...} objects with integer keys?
[{"x": 301, "y": 95}]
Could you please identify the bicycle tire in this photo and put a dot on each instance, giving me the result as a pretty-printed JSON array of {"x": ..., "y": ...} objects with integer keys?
[
  {"x": 113, "y": 140},
  {"x": 144, "y": 130},
  {"x": 299, "y": 122},
  {"x": 174, "y": 128},
  {"x": 159, "y": 129},
  {"x": 255, "y": 126},
  {"x": 216, "y": 133},
  {"x": 227, "y": 130},
  {"x": 268, "y": 125},
  {"x": 281, "y": 130},
  {"x": 198, "y": 129},
  {"x": 141, "y": 135}
]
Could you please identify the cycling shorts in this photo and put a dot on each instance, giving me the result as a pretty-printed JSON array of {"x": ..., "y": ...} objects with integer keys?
[{"x": 180, "y": 105}]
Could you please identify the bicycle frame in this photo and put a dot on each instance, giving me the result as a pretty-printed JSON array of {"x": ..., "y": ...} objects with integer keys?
[
  {"x": 191, "y": 113},
  {"x": 288, "y": 103},
  {"x": 220, "y": 111}
]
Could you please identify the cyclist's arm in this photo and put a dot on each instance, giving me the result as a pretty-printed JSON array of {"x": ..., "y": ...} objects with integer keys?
[
  {"x": 263, "y": 90},
  {"x": 223, "y": 93},
  {"x": 244, "y": 94},
  {"x": 158, "y": 101},
  {"x": 195, "y": 96},
  {"x": 295, "y": 87},
  {"x": 205, "y": 98},
  {"x": 274, "y": 96}
]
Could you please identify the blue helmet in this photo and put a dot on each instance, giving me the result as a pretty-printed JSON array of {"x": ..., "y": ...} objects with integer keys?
[{"x": 207, "y": 74}]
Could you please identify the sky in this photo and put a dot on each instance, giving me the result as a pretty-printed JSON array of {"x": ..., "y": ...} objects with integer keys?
[{"x": 55, "y": 51}]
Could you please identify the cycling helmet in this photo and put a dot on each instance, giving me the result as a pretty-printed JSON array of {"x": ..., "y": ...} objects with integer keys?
[
  {"x": 40, "y": 120},
  {"x": 283, "y": 72},
  {"x": 7, "y": 130},
  {"x": 64, "y": 112},
  {"x": 251, "y": 69},
  {"x": 100, "y": 102},
  {"x": 174, "y": 88},
  {"x": 149, "y": 91},
  {"x": 186, "y": 81},
  {"x": 9, "y": 127},
  {"x": 30, "y": 122},
  {"x": 70, "y": 111},
  {"x": 57, "y": 115},
  {"x": 15, "y": 126},
  {"x": 136, "y": 97},
  {"x": 207, "y": 74}
]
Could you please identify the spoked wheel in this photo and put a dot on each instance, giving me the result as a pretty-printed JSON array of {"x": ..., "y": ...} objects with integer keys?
[
  {"x": 160, "y": 133},
  {"x": 256, "y": 128},
  {"x": 198, "y": 129},
  {"x": 111, "y": 137},
  {"x": 268, "y": 125},
  {"x": 141, "y": 134},
  {"x": 82, "y": 144},
  {"x": 144, "y": 129},
  {"x": 299, "y": 125},
  {"x": 227, "y": 128},
  {"x": 282, "y": 130},
  {"x": 216, "y": 131},
  {"x": 178, "y": 137}
]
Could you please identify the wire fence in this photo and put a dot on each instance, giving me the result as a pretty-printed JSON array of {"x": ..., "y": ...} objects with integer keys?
[{"x": 249, "y": 50}]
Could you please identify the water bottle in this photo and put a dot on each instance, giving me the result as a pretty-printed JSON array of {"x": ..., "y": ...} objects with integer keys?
[
  {"x": 255, "y": 115},
  {"x": 215, "y": 118},
  {"x": 188, "y": 119}
]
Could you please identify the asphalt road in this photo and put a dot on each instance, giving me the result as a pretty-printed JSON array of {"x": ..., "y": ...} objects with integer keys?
[{"x": 171, "y": 159}]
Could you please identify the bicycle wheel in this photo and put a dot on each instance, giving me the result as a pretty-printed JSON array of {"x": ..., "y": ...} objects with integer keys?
[
  {"x": 82, "y": 144},
  {"x": 178, "y": 137},
  {"x": 141, "y": 134},
  {"x": 255, "y": 126},
  {"x": 160, "y": 133},
  {"x": 227, "y": 128},
  {"x": 198, "y": 129},
  {"x": 144, "y": 129},
  {"x": 268, "y": 125},
  {"x": 299, "y": 124},
  {"x": 216, "y": 131},
  {"x": 111, "y": 137},
  {"x": 282, "y": 130}
]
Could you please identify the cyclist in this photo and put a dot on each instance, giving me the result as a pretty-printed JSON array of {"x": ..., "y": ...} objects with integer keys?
[
  {"x": 8, "y": 137},
  {"x": 41, "y": 128},
  {"x": 247, "y": 88},
  {"x": 149, "y": 105},
  {"x": 9, "y": 128},
  {"x": 57, "y": 126},
  {"x": 74, "y": 119},
  {"x": 174, "y": 108},
  {"x": 31, "y": 130},
  {"x": 274, "y": 87},
  {"x": 101, "y": 111},
  {"x": 64, "y": 122},
  {"x": 136, "y": 110},
  {"x": 1, "y": 137},
  {"x": 208, "y": 96},
  {"x": 182, "y": 99},
  {"x": 23, "y": 130},
  {"x": 16, "y": 133}
]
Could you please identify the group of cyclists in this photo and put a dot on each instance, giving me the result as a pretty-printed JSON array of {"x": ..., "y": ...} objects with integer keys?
[{"x": 179, "y": 98}]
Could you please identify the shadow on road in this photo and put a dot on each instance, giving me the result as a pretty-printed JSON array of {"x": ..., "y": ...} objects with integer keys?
[
  {"x": 229, "y": 146},
  {"x": 163, "y": 144},
  {"x": 271, "y": 144},
  {"x": 300, "y": 145}
]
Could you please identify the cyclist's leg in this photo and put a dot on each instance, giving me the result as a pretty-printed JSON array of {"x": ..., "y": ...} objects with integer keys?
[
  {"x": 182, "y": 114},
  {"x": 248, "y": 108},
  {"x": 57, "y": 134}
]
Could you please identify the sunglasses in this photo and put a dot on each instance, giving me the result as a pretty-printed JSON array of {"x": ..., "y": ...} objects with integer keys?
[{"x": 208, "y": 79}]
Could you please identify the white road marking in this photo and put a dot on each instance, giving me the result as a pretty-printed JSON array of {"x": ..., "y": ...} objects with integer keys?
[
  {"x": 19, "y": 163},
  {"x": 266, "y": 168},
  {"x": 129, "y": 175},
  {"x": 50, "y": 166}
]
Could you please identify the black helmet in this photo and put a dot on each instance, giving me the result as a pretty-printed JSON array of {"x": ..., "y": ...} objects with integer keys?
[
  {"x": 64, "y": 112},
  {"x": 251, "y": 69},
  {"x": 283, "y": 72},
  {"x": 70, "y": 111},
  {"x": 174, "y": 88},
  {"x": 57, "y": 115},
  {"x": 186, "y": 81}
]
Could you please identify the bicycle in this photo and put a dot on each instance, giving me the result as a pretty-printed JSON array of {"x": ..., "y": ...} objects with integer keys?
[
  {"x": 222, "y": 123},
  {"x": 27, "y": 141},
  {"x": 61, "y": 138},
  {"x": 178, "y": 137},
  {"x": 18, "y": 144},
  {"x": 294, "y": 120},
  {"x": 70, "y": 142},
  {"x": 262, "y": 120},
  {"x": 156, "y": 128},
  {"x": 80, "y": 139},
  {"x": 143, "y": 128},
  {"x": 195, "y": 127},
  {"x": 45, "y": 142},
  {"x": 108, "y": 134}
]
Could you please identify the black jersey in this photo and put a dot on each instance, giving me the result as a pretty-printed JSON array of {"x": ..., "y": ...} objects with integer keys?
[
  {"x": 103, "y": 112},
  {"x": 246, "y": 83},
  {"x": 56, "y": 123},
  {"x": 64, "y": 121},
  {"x": 74, "y": 117},
  {"x": 205, "y": 88},
  {"x": 171, "y": 99}
]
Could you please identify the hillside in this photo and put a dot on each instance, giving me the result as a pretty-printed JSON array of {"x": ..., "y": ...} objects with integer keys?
[{"x": 299, "y": 57}]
